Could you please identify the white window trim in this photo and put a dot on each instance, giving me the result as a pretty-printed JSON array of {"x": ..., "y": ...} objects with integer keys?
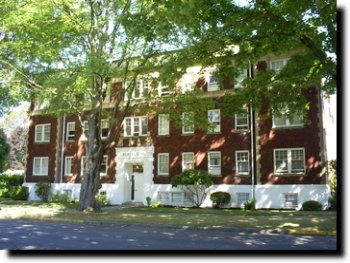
[
  {"x": 240, "y": 126},
  {"x": 132, "y": 125},
  {"x": 183, "y": 164},
  {"x": 212, "y": 86},
  {"x": 42, "y": 127},
  {"x": 289, "y": 161},
  {"x": 104, "y": 125},
  {"x": 70, "y": 128},
  {"x": 240, "y": 78},
  {"x": 44, "y": 171},
  {"x": 217, "y": 123},
  {"x": 286, "y": 202},
  {"x": 214, "y": 169},
  {"x": 236, "y": 156},
  {"x": 283, "y": 60},
  {"x": 165, "y": 119},
  {"x": 190, "y": 131},
  {"x": 68, "y": 168},
  {"x": 287, "y": 120},
  {"x": 159, "y": 166}
]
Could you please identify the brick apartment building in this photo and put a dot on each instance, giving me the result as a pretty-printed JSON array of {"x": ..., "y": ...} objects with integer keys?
[{"x": 277, "y": 161}]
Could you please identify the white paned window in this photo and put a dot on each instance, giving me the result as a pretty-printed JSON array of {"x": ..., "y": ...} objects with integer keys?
[
  {"x": 70, "y": 136},
  {"x": 277, "y": 64},
  {"x": 141, "y": 89},
  {"x": 104, "y": 129},
  {"x": 187, "y": 83},
  {"x": 163, "y": 124},
  {"x": 289, "y": 161},
  {"x": 135, "y": 126},
  {"x": 242, "y": 162},
  {"x": 41, "y": 166},
  {"x": 290, "y": 200},
  {"x": 163, "y": 90},
  {"x": 214, "y": 120},
  {"x": 163, "y": 163},
  {"x": 284, "y": 119},
  {"x": 242, "y": 120},
  {"x": 187, "y": 122},
  {"x": 214, "y": 163},
  {"x": 238, "y": 83},
  {"x": 42, "y": 132},
  {"x": 187, "y": 161},
  {"x": 68, "y": 164},
  {"x": 213, "y": 83}
]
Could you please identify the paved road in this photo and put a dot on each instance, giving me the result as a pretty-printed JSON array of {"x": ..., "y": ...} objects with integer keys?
[{"x": 42, "y": 235}]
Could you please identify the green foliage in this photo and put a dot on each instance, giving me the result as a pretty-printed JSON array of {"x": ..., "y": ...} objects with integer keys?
[
  {"x": 249, "y": 205},
  {"x": 312, "y": 205},
  {"x": 195, "y": 182},
  {"x": 4, "y": 151},
  {"x": 61, "y": 198},
  {"x": 148, "y": 200},
  {"x": 157, "y": 204},
  {"x": 220, "y": 198},
  {"x": 6, "y": 181},
  {"x": 43, "y": 190},
  {"x": 19, "y": 192},
  {"x": 102, "y": 199}
]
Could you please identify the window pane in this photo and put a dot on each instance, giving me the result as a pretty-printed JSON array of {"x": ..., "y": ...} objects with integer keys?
[{"x": 163, "y": 124}]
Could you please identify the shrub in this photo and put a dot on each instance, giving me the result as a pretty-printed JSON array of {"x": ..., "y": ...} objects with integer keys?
[
  {"x": 6, "y": 181},
  {"x": 220, "y": 198},
  {"x": 312, "y": 205},
  {"x": 61, "y": 198},
  {"x": 148, "y": 200},
  {"x": 102, "y": 199},
  {"x": 19, "y": 192},
  {"x": 249, "y": 205},
  {"x": 43, "y": 190}
]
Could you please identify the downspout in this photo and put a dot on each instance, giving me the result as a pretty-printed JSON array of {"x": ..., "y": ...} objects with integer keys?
[
  {"x": 252, "y": 139},
  {"x": 62, "y": 146}
]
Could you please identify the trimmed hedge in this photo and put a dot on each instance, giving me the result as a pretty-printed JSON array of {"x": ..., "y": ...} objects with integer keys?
[
  {"x": 220, "y": 198},
  {"x": 19, "y": 192},
  {"x": 312, "y": 205},
  {"x": 6, "y": 181}
]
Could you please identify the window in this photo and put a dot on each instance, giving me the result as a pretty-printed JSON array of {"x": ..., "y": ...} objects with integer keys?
[
  {"x": 70, "y": 136},
  {"x": 137, "y": 168},
  {"x": 175, "y": 198},
  {"x": 290, "y": 200},
  {"x": 289, "y": 161},
  {"x": 135, "y": 126},
  {"x": 104, "y": 129},
  {"x": 104, "y": 166},
  {"x": 187, "y": 83},
  {"x": 41, "y": 166},
  {"x": 68, "y": 166},
  {"x": 187, "y": 161},
  {"x": 141, "y": 89},
  {"x": 163, "y": 164},
  {"x": 214, "y": 120},
  {"x": 187, "y": 122},
  {"x": 42, "y": 132},
  {"x": 242, "y": 198},
  {"x": 242, "y": 162},
  {"x": 163, "y": 90},
  {"x": 238, "y": 83},
  {"x": 285, "y": 119},
  {"x": 242, "y": 120},
  {"x": 214, "y": 163},
  {"x": 277, "y": 64},
  {"x": 213, "y": 83},
  {"x": 163, "y": 124}
]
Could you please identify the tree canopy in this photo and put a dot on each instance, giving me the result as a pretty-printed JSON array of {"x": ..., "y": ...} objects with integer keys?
[{"x": 69, "y": 53}]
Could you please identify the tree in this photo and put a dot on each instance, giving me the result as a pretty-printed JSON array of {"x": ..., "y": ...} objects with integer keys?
[
  {"x": 4, "y": 151},
  {"x": 70, "y": 53},
  {"x": 235, "y": 36},
  {"x": 194, "y": 183}
]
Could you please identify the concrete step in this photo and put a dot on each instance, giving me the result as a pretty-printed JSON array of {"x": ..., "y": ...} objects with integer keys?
[{"x": 132, "y": 204}]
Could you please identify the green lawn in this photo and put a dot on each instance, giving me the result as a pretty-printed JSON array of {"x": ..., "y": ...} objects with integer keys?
[{"x": 322, "y": 222}]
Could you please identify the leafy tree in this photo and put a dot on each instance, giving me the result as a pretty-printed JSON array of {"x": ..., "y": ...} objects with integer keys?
[
  {"x": 4, "y": 151},
  {"x": 194, "y": 182},
  {"x": 235, "y": 36}
]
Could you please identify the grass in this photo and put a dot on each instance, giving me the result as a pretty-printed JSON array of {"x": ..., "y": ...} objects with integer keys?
[{"x": 316, "y": 222}]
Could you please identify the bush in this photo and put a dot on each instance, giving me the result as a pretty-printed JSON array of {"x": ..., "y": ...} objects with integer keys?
[
  {"x": 61, "y": 198},
  {"x": 220, "y": 198},
  {"x": 6, "y": 181},
  {"x": 19, "y": 192},
  {"x": 249, "y": 205},
  {"x": 43, "y": 190},
  {"x": 312, "y": 205}
]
